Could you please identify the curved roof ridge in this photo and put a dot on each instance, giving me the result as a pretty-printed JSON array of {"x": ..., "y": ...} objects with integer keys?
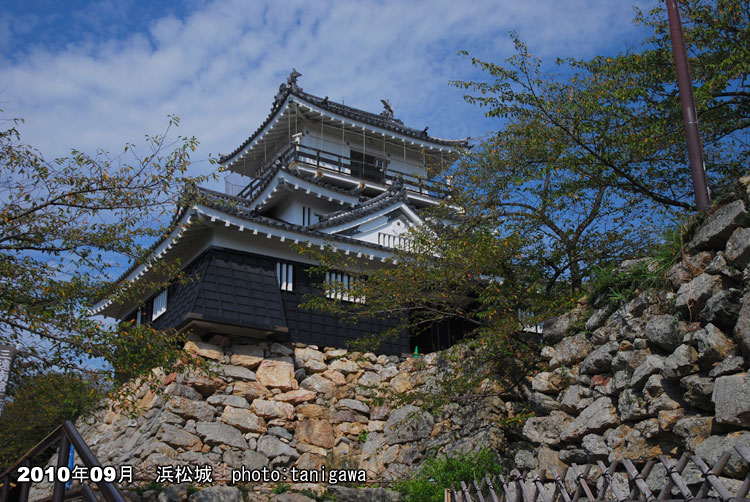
[
  {"x": 374, "y": 119},
  {"x": 385, "y": 199}
]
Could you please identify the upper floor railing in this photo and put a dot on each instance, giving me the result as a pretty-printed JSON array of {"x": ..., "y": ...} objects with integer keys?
[{"x": 365, "y": 168}]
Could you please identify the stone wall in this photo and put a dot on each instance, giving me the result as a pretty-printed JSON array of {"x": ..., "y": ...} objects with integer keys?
[
  {"x": 663, "y": 373},
  {"x": 280, "y": 405}
]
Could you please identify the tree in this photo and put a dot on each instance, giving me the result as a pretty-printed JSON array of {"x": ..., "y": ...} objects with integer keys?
[
  {"x": 587, "y": 168},
  {"x": 66, "y": 226},
  {"x": 621, "y": 115},
  {"x": 41, "y": 403}
]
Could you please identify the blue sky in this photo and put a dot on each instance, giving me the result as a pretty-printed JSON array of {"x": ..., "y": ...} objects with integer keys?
[{"x": 96, "y": 74}]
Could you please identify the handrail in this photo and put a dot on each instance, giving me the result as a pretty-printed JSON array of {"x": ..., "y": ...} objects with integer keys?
[
  {"x": 334, "y": 162},
  {"x": 66, "y": 435}
]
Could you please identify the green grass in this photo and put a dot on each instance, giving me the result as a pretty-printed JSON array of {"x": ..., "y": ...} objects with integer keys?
[
  {"x": 612, "y": 287},
  {"x": 281, "y": 488},
  {"x": 437, "y": 474}
]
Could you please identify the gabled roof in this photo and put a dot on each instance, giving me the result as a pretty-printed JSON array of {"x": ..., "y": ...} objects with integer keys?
[
  {"x": 291, "y": 92},
  {"x": 395, "y": 196},
  {"x": 283, "y": 179}
]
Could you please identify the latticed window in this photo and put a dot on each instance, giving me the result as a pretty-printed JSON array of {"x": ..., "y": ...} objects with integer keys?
[
  {"x": 285, "y": 276},
  {"x": 341, "y": 286},
  {"x": 160, "y": 305}
]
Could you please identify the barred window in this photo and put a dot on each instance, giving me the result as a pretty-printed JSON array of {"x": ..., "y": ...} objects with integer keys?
[
  {"x": 340, "y": 286},
  {"x": 306, "y": 216},
  {"x": 393, "y": 241},
  {"x": 160, "y": 305},
  {"x": 285, "y": 276}
]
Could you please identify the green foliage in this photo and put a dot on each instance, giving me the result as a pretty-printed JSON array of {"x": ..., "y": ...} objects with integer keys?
[
  {"x": 612, "y": 285},
  {"x": 66, "y": 226},
  {"x": 437, "y": 474},
  {"x": 362, "y": 437},
  {"x": 281, "y": 488},
  {"x": 41, "y": 403}
]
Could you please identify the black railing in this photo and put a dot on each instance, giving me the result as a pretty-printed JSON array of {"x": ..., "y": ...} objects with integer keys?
[
  {"x": 64, "y": 436},
  {"x": 366, "y": 168}
]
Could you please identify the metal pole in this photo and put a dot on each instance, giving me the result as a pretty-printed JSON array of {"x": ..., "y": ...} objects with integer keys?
[{"x": 689, "y": 114}]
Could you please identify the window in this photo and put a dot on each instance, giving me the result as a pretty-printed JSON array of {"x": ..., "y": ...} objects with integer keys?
[
  {"x": 340, "y": 286},
  {"x": 285, "y": 276},
  {"x": 368, "y": 167},
  {"x": 138, "y": 318},
  {"x": 160, "y": 305},
  {"x": 393, "y": 241},
  {"x": 306, "y": 216}
]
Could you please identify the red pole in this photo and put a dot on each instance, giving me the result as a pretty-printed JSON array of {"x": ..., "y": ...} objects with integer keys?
[{"x": 689, "y": 114}]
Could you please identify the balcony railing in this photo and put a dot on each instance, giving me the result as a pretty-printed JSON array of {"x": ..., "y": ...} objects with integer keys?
[{"x": 315, "y": 159}]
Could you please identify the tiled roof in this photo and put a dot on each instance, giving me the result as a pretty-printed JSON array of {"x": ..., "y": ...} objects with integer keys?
[
  {"x": 388, "y": 198},
  {"x": 382, "y": 121},
  {"x": 237, "y": 206}
]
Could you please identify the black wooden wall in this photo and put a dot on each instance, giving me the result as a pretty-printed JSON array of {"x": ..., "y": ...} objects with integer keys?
[{"x": 241, "y": 289}]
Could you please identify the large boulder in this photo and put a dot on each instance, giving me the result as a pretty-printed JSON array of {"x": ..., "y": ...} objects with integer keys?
[
  {"x": 598, "y": 416},
  {"x": 737, "y": 251},
  {"x": 711, "y": 344},
  {"x": 546, "y": 430},
  {"x": 722, "y": 309},
  {"x": 712, "y": 448},
  {"x": 178, "y": 437},
  {"x": 681, "y": 362},
  {"x": 319, "y": 384},
  {"x": 661, "y": 331},
  {"x": 571, "y": 350},
  {"x": 600, "y": 359},
  {"x": 692, "y": 296},
  {"x": 243, "y": 419},
  {"x": 251, "y": 460},
  {"x": 407, "y": 424},
  {"x": 196, "y": 346},
  {"x": 310, "y": 359},
  {"x": 731, "y": 397},
  {"x": 188, "y": 408},
  {"x": 272, "y": 409},
  {"x": 556, "y": 328},
  {"x": 315, "y": 432},
  {"x": 277, "y": 373},
  {"x": 698, "y": 390},
  {"x": 216, "y": 433},
  {"x": 272, "y": 447},
  {"x": 249, "y": 356},
  {"x": 718, "y": 227}
]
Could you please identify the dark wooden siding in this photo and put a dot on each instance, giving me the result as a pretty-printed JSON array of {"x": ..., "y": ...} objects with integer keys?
[{"x": 241, "y": 289}]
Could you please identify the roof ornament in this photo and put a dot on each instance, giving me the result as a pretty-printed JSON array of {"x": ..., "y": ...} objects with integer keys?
[
  {"x": 388, "y": 112},
  {"x": 290, "y": 86},
  {"x": 424, "y": 132},
  {"x": 291, "y": 80}
]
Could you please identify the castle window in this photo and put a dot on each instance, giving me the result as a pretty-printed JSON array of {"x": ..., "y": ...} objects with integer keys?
[
  {"x": 340, "y": 286},
  {"x": 368, "y": 167},
  {"x": 285, "y": 276},
  {"x": 306, "y": 216},
  {"x": 160, "y": 305}
]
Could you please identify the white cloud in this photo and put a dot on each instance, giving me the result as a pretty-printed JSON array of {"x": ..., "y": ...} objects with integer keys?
[{"x": 219, "y": 67}]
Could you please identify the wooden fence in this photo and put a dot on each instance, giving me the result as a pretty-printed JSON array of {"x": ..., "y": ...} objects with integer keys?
[{"x": 576, "y": 484}]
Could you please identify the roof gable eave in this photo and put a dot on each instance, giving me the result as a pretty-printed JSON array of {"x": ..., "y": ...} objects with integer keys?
[{"x": 398, "y": 205}]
